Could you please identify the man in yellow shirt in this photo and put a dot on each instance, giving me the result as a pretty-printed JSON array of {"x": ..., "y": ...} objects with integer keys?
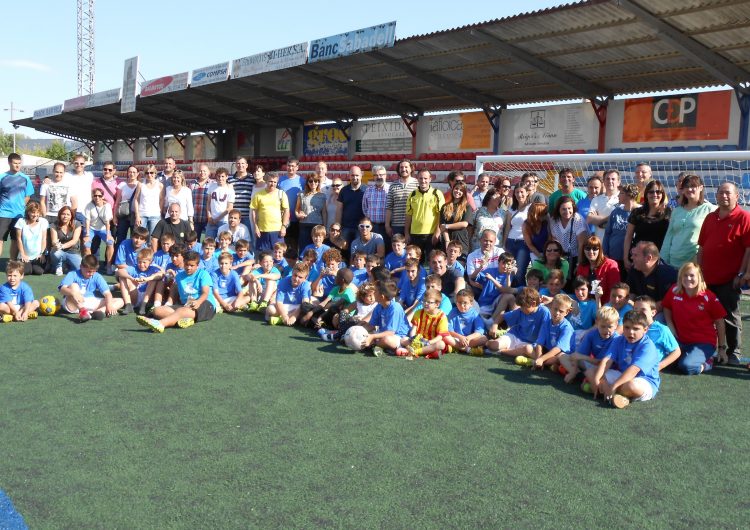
[
  {"x": 423, "y": 213},
  {"x": 269, "y": 210}
]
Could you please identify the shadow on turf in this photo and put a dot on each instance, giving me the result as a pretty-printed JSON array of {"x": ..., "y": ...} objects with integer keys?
[{"x": 527, "y": 376}]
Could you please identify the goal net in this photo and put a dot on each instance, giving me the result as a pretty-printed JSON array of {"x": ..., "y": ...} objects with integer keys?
[{"x": 714, "y": 167}]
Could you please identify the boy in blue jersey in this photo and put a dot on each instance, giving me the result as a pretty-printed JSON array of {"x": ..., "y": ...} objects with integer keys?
[
  {"x": 396, "y": 260},
  {"x": 138, "y": 283},
  {"x": 279, "y": 261},
  {"x": 15, "y": 189},
  {"x": 127, "y": 252},
  {"x": 452, "y": 253},
  {"x": 191, "y": 242},
  {"x": 584, "y": 310},
  {"x": 208, "y": 260},
  {"x": 590, "y": 350},
  {"x": 524, "y": 324},
  {"x": 191, "y": 295},
  {"x": 16, "y": 297},
  {"x": 262, "y": 283},
  {"x": 291, "y": 292},
  {"x": 630, "y": 368},
  {"x": 358, "y": 266},
  {"x": 497, "y": 295},
  {"x": 411, "y": 288},
  {"x": 161, "y": 257},
  {"x": 224, "y": 244},
  {"x": 318, "y": 235},
  {"x": 243, "y": 260},
  {"x": 325, "y": 279},
  {"x": 80, "y": 288},
  {"x": 619, "y": 299},
  {"x": 465, "y": 326},
  {"x": 388, "y": 324},
  {"x": 555, "y": 336},
  {"x": 228, "y": 286},
  {"x": 175, "y": 265},
  {"x": 662, "y": 337}
]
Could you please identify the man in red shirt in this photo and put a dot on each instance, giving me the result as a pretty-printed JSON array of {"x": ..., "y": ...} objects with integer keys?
[{"x": 724, "y": 257}]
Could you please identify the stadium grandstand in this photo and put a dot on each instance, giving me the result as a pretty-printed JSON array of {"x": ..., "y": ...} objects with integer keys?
[{"x": 568, "y": 80}]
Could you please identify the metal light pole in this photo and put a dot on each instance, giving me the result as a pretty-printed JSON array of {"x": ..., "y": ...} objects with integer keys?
[{"x": 13, "y": 111}]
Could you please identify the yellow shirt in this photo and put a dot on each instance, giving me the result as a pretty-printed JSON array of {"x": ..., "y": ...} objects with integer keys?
[
  {"x": 424, "y": 210},
  {"x": 268, "y": 207}
]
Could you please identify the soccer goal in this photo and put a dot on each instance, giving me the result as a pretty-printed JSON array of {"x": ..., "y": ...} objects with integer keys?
[{"x": 714, "y": 167}]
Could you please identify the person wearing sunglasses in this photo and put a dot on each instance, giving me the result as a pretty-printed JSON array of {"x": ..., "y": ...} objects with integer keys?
[
  {"x": 374, "y": 201},
  {"x": 367, "y": 241},
  {"x": 80, "y": 182},
  {"x": 149, "y": 200},
  {"x": 551, "y": 259},
  {"x": 55, "y": 195}
]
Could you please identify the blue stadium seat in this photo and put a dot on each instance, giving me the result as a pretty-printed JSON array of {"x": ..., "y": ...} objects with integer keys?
[
  {"x": 645, "y": 149},
  {"x": 711, "y": 147},
  {"x": 661, "y": 149},
  {"x": 730, "y": 147},
  {"x": 615, "y": 150},
  {"x": 630, "y": 150},
  {"x": 694, "y": 148},
  {"x": 677, "y": 149}
]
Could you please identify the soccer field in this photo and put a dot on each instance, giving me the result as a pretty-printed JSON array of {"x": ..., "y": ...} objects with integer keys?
[{"x": 235, "y": 424}]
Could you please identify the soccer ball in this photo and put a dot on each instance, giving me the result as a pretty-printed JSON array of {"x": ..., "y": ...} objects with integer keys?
[
  {"x": 355, "y": 337},
  {"x": 48, "y": 305}
]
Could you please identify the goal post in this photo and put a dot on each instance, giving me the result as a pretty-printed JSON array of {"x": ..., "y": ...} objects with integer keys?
[{"x": 714, "y": 167}]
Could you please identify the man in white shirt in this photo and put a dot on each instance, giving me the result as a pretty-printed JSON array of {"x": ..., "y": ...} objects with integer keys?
[
  {"x": 603, "y": 204},
  {"x": 80, "y": 182}
]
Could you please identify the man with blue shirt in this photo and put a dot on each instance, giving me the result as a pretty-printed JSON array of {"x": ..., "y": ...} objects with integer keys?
[
  {"x": 15, "y": 190},
  {"x": 292, "y": 184}
]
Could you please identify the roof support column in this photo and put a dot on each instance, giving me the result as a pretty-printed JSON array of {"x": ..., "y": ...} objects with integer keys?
[
  {"x": 493, "y": 116},
  {"x": 600, "y": 109},
  {"x": 743, "y": 100},
  {"x": 410, "y": 120}
]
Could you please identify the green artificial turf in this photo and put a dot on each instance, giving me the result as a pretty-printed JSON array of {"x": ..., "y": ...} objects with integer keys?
[{"x": 236, "y": 424}]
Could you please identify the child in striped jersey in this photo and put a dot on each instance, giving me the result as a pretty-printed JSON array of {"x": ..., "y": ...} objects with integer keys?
[{"x": 429, "y": 329}]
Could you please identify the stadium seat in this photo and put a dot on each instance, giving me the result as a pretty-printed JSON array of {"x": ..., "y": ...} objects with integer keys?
[
  {"x": 693, "y": 148},
  {"x": 645, "y": 149},
  {"x": 615, "y": 150},
  {"x": 677, "y": 149},
  {"x": 661, "y": 149},
  {"x": 630, "y": 150},
  {"x": 712, "y": 147},
  {"x": 730, "y": 147}
]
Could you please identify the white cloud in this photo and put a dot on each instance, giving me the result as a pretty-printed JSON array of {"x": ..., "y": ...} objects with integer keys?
[{"x": 24, "y": 64}]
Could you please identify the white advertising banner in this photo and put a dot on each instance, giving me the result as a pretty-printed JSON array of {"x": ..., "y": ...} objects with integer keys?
[
  {"x": 358, "y": 41},
  {"x": 556, "y": 127},
  {"x": 129, "y": 85},
  {"x": 106, "y": 97},
  {"x": 164, "y": 85},
  {"x": 210, "y": 74},
  {"x": 76, "y": 103},
  {"x": 47, "y": 112},
  {"x": 269, "y": 61},
  {"x": 383, "y": 136}
]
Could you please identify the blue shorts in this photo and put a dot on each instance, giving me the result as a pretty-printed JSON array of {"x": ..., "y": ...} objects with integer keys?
[{"x": 101, "y": 234}]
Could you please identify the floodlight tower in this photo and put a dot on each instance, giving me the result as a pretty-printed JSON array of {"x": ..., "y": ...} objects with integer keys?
[{"x": 85, "y": 27}]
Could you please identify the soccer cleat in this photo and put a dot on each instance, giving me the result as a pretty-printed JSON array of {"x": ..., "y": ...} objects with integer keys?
[
  {"x": 142, "y": 320},
  {"x": 377, "y": 351},
  {"x": 322, "y": 332},
  {"x": 274, "y": 321},
  {"x": 524, "y": 361},
  {"x": 59, "y": 271},
  {"x": 477, "y": 351},
  {"x": 127, "y": 309},
  {"x": 433, "y": 355},
  {"x": 402, "y": 352},
  {"x": 7, "y": 319},
  {"x": 84, "y": 315},
  {"x": 154, "y": 325},
  {"x": 262, "y": 307},
  {"x": 708, "y": 365},
  {"x": 586, "y": 388},
  {"x": 32, "y": 315},
  {"x": 251, "y": 307},
  {"x": 619, "y": 401},
  {"x": 185, "y": 323},
  {"x": 415, "y": 349}
]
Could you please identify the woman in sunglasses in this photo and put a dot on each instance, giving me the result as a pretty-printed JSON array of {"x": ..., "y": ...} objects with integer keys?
[
  {"x": 648, "y": 222},
  {"x": 148, "y": 199},
  {"x": 552, "y": 259}
]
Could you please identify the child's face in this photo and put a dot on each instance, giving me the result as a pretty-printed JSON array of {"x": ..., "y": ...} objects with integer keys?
[
  {"x": 166, "y": 245},
  {"x": 267, "y": 263},
  {"x": 317, "y": 239},
  {"x": 144, "y": 263},
  {"x": 278, "y": 254},
  {"x": 298, "y": 278},
  {"x": 191, "y": 266},
  {"x": 14, "y": 278},
  {"x": 533, "y": 282},
  {"x": 606, "y": 329},
  {"x": 558, "y": 312},
  {"x": 369, "y": 265},
  {"x": 632, "y": 331},
  {"x": 178, "y": 260},
  {"x": 434, "y": 285},
  {"x": 506, "y": 266},
  {"x": 332, "y": 266},
  {"x": 411, "y": 254},
  {"x": 645, "y": 308},
  {"x": 368, "y": 298},
  {"x": 582, "y": 292},
  {"x": 33, "y": 216},
  {"x": 359, "y": 262},
  {"x": 138, "y": 241},
  {"x": 225, "y": 242},
  {"x": 411, "y": 273},
  {"x": 618, "y": 298},
  {"x": 87, "y": 272},
  {"x": 241, "y": 252},
  {"x": 398, "y": 247},
  {"x": 453, "y": 253},
  {"x": 431, "y": 305},
  {"x": 529, "y": 309},
  {"x": 225, "y": 266},
  {"x": 554, "y": 285},
  {"x": 234, "y": 220},
  {"x": 208, "y": 250},
  {"x": 463, "y": 303}
]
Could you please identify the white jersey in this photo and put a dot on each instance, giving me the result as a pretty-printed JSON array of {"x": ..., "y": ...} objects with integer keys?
[{"x": 80, "y": 186}]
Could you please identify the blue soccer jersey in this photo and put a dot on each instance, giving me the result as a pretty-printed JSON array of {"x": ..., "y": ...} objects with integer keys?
[
  {"x": 190, "y": 287},
  {"x": 227, "y": 286},
  {"x": 19, "y": 296},
  {"x": 135, "y": 272},
  {"x": 286, "y": 293},
  {"x": 466, "y": 323},
  {"x": 390, "y": 318},
  {"x": 89, "y": 286},
  {"x": 594, "y": 345},
  {"x": 586, "y": 315},
  {"x": 642, "y": 354},
  {"x": 409, "y": 293},
  {"x": 127, "y": 254},
  {"x": 14, "y": 188},
  {"x": 556, "y": 335},
  {"x": 662, "y": 338},
  {"x": 526, "y": 327}
]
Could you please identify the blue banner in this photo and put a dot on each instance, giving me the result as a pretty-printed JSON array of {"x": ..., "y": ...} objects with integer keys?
[
  {"x": 361, "y": 40},
  {"x": 325, "y": 140}
]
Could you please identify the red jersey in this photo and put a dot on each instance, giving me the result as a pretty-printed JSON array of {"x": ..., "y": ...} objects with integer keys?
[
  {"x": 723, "y": 242},
  {"x": 430, "y": 326},
  {"x": 694, "y": 316}
]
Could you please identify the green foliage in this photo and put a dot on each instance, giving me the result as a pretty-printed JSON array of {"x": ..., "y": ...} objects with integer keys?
[{"x": 56, "y": 151}]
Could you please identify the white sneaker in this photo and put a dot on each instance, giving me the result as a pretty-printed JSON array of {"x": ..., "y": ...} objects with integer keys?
[{"x": 59, "y": 271}]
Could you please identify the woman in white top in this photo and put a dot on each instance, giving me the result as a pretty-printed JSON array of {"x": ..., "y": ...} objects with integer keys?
[
  {"x": 220, "y": 202},
  {"x": 31, "y": 236},
  {"x": 513, "y": 241},
  {"x": 125, "y": 204},
  {"x": 98, "y": 215},
  {"x": 149, "y": 200},
  {"x": 568, "y": 227},
  {"x": 180, "y": 194}
]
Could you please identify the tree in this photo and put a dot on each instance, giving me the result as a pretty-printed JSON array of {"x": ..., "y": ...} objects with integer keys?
[{"x": 57, "y": 151}]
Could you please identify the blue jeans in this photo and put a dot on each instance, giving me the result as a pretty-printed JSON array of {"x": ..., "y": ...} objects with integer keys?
[
  {"x": 693, "y": 356},
  {"x": 267, "y": 240},
  {"x": 61, "y": 257},
  {"x": 518, "y": 248},
  {"x": 149, "y": 222}
]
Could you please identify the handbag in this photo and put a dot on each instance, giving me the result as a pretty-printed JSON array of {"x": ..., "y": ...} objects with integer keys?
[{"x": 124, "y": 209}]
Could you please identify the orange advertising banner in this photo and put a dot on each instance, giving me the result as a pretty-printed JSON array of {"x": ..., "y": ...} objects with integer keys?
[
  {"x": 701, "y": 116},
  {"x": 477, "y": 131}
]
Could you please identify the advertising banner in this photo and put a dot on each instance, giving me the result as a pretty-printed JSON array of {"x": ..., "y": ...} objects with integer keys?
[
  {"x": 106, "y": 97},
  {"x": 173, "y": 148},
  {"x": 269, "y": 61},
  {"x": 283, "y": 141},
  {"x": 324, "y": 140},
  {"x": 358, "y": 41},
  {"x": 554, "y": 127},
  {"x": 47, "y": 112},
  {"x": 383, "y": 136},
  {"x": 701, "y": 116},
  {"x": 210, "y": 74},
  {"x": 164, "y": 85},
  {"x": 467, "y": 131},
  {"x": 129, "y": 85},
  {"x": 75, "y": 103}
]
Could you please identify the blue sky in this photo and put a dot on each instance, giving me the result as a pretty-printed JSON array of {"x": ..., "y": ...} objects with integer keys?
[{"x": 175, "y": 36}]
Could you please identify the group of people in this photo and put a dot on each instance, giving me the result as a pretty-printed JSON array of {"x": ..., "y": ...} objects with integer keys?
[{"x": 614, "y": 283}]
